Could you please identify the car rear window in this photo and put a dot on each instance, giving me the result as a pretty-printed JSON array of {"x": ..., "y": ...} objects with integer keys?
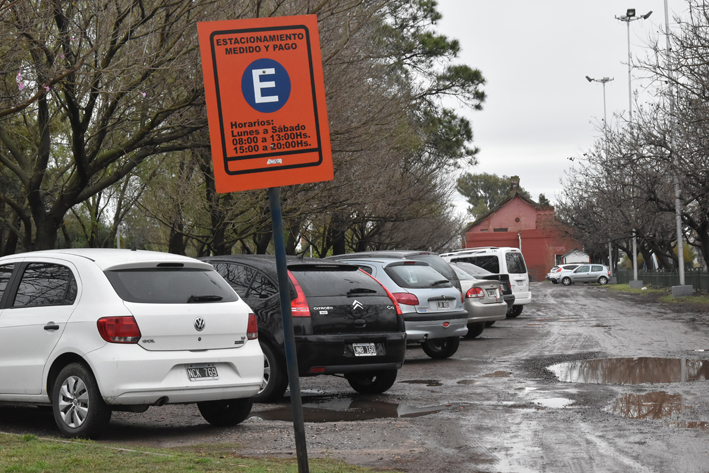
[
  {"x": 437, "y": 263},
  {"x": 487, "y": 262},
  {"x": 472, "y": 269},
  {"x": 325, "y": 282},
  {"x": 416, "y": 276},
  {"x": 515, "y": 263},
  {"x": 170, "y": 286}
]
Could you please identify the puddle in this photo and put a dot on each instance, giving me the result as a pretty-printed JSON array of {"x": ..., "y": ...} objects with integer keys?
[
  {"x": 686, "y": 424},
  {"x": 467, "y": 381},
  {"x": 654, "y": 405},
  {"x": 554, "y": 402},
  {"x": 498, "y": 374},
  {"x": 346, "y": 410},
  {"x": 631, "y": 371},
  {"x": 427, "y": 382}
]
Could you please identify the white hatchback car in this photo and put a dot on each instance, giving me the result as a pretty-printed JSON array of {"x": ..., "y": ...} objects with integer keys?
[{"x": 91, "y": 331}]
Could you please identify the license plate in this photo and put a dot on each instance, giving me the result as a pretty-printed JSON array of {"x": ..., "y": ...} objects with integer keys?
[
  {"x": 202, "y": 372},
  {"x": 492, "y": 292},
  {"x": 364, "y": 349},
  {"x": 443, "y": 304},
  {"x": 520, "y": 283}
]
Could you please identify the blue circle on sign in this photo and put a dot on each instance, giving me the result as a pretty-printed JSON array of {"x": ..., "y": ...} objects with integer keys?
[{"x": 265, "y": 85}]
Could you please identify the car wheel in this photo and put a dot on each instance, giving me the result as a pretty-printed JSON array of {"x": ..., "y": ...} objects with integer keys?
[
  {"x": 372, "y": 382},
  {"x": 79, "y": 409},
  {"x": 226, "y": 413},
  {"x": 566, "y": 281},
  {"x": 515, "y": 311},
  {"x": 441, "y": 348},
  {"x": 490, "y": 323},
  {"x": 474, "y": 330},
  {"x": 602, "y": 280},
  {"x": 275, "y": 376}
]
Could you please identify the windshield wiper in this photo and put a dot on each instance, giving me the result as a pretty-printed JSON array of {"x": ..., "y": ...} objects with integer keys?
[
  {"x": 361, "y": 290},
  {"x": 438, "y": 283},
  {"x": 194, "y": 298}
]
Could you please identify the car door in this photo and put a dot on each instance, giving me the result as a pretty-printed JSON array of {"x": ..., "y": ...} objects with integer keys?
[
  {"x": 581, "y": 274},
  {"x": 596, "y": 272},
  {"x": 37, "y": 306}
]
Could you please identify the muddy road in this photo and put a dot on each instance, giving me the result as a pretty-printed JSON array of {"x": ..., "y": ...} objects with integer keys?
[{"x": 494, "y": 406}]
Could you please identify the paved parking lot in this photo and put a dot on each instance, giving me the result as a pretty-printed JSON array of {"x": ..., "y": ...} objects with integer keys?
[{"x": 492, "y": 407}]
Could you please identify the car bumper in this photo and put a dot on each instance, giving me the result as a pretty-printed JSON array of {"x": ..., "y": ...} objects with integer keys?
[
  {"x": 420, "y": 328},
  {"x": 479, "y": 312},
  {"x": 334, "y": 354},
  {"x": 130, "y": 375},
  {"x": 523, "y": 298}
]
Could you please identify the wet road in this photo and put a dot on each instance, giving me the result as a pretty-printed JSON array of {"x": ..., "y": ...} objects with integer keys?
[{"x": 493, "y": 407}]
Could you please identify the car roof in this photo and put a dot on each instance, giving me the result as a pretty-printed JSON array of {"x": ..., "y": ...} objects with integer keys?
[
  {"x": 383, "y": 254},
  {"x": 113, "y": 258},
  {"x": 379, "y": 259}
]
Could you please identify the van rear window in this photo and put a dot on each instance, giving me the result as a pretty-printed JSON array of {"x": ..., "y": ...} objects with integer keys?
[{"x": 515, "y": 263}]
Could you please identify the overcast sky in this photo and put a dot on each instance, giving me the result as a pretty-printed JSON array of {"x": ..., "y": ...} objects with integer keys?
[{"x": 534, "y": 56}]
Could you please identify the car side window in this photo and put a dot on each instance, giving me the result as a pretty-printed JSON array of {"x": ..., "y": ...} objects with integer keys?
[
  {"x": 45, "y": 284},
  {"x": 261, "y": 287},
  {"x": 366, "y": 269},
  {"x": 582, "y": 269},
  {"x": 239, "y": 277},
  {"x": 5, "y": 273},
  {"x": 597, "y": 268}
]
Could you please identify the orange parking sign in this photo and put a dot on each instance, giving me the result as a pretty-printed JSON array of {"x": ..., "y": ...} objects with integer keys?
[{"x": 265, "y": 97}]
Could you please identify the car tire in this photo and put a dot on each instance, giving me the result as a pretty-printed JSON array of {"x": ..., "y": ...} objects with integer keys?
[
  {"x": 226, "y": 413},
  {"x": 475, "y": 330},
  {"x": 79, "y": 410},
  {"x": 372, "y": 382},
  {"x": 275, "y": 376},
  {"x": 490, "y": 323},
  {"x": 603, "y": 280},
  {"x": 441, "y": 348},
  {"x": 566, "y": 281},
  {"x": 515, "y": 311}
]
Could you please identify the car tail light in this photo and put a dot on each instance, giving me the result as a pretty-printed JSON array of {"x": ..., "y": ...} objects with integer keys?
[
  {"x": 474, "y": 293},
  {"x": 391, "y": 296},
  {"x": 406, "y": 298},
  {"x": 252, "y": 328},
  {"x": 298, "y": 306},
  {"x": 119, "y": 329},
  {"x": 317, "y": 369},
  {"x": 559, "y": 270}
]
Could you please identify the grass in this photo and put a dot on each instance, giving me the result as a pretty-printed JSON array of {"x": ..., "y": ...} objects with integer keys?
[
  {"x": 664, "y": 295},
  {"x": 31, "y": 454}
]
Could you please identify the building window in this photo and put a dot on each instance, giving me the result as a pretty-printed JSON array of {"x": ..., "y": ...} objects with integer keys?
[
  {"x": 499, "y": 229},
  {"x": 483, "y": 229}
]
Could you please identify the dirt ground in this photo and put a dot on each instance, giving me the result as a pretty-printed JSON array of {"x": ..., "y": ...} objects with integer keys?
[{"x": 493, "y": 407}]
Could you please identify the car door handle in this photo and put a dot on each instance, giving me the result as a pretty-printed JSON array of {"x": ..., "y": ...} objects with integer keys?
[{"x": 51, "y": 326}]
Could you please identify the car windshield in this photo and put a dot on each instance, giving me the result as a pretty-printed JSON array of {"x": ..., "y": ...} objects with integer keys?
[
  {"x": 170, "y": 286},
  {"x": 416, "y": 276}
]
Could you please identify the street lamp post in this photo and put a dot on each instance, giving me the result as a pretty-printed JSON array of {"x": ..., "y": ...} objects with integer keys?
[
  {"x": 682, "y": 289},
  {"x": 627, "y": 18},
  {"x": 605, "y": 137}
]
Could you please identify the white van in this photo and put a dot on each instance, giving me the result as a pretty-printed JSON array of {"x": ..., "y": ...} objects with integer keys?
[{"x": 504, "y": 260}]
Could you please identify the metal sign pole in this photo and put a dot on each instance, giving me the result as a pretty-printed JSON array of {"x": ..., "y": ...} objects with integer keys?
[{"x": 274, "y": 200}]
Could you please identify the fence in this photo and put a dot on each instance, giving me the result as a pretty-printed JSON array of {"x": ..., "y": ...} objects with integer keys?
[{"x": 698, "y": 279}]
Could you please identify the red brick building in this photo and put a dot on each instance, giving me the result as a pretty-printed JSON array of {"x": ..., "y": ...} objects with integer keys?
[{"x": 522, "y": 223}]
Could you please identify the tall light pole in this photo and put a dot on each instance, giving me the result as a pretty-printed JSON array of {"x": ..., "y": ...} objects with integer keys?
[
  {"x": 627, "y": 18},
  {"x": 605, "y": 138},
  {"x": 682, "y": 289}
]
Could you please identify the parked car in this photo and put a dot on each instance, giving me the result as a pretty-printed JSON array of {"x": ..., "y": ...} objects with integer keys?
[
  {"x": 433, "y": 308},
  {"x": 484, "y": 301},
  {"x": 587, "y": 273},
  {"x": 344, "y": 321},
  {"x": 503, "y": 260},
  {"x": 91, "y": 331},
  {"x": 480, "y": 273},
  {"x": 555, "y": 272}
]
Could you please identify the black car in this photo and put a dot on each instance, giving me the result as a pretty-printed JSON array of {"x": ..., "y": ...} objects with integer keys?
[{"x": 344, "y": 321}]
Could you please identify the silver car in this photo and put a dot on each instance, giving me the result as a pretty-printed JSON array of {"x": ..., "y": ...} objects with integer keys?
[
  {"x": 483, "y": 301},
  {"x": 555, "y": 273},
  {"x": 433, "y": 309},
  {"x": 587, "y": 273}
]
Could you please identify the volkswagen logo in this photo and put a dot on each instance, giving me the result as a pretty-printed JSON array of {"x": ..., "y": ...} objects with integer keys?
[
  {"x": 357, "y": 305},
  {"x": 199, "y": 324}
]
